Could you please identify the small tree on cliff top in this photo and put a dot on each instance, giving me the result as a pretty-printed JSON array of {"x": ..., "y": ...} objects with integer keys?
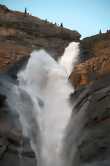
[
  {"x": 61, "y": 25},
  {"x": 25, "y": 11}
]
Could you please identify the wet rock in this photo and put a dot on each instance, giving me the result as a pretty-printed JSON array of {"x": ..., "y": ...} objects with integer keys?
[
  {"x": 10, "y": 159},
  {"x": 15, "y": 136},
  {"x": 3, "y": 146},
  {"x": 15, "y": 149},
  {"x": 88, "y": 134},
  {"x": 2, "y": 100}
]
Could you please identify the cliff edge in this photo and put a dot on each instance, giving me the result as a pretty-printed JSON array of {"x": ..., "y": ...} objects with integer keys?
[{"x": 20, "y": 33}]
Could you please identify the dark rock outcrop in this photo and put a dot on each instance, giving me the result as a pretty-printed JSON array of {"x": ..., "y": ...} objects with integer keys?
[
  {"x": 15, "y": 149},
  {"x": 88, "y": 135}
]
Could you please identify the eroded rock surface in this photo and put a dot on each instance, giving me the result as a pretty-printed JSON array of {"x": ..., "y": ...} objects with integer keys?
[
  {"x": 15, "y": 149},
  {"x": 88, "y": 134},
  {"x": 94, "y": 60}
]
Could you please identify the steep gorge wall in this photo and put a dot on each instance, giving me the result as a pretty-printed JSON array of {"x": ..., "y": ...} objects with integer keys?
[{"x": 95, "y": 60}]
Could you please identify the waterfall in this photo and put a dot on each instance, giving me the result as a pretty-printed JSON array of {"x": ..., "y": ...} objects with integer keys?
[
  {"x": 42, "y": 100},
  {"x": 70, "y": 57}
]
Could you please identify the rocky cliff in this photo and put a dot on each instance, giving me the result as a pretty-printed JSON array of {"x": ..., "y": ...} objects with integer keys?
[
  {"x": 20, "y": 33},
  {"x": 88, "y": 136},
  {"x": 95, "y": 60},
  {"x": 14, "y": 148}
]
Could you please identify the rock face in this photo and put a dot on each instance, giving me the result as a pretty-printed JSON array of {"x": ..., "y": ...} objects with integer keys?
[
  {"x": 97, "y": 45},
  {"x": 87, "y": 140},
  {"x": 88, "y": 134},
  {"x": 15, "y": 149},
  {"x": 20, "y": 33},
  {"x": 95, "y": 60}
]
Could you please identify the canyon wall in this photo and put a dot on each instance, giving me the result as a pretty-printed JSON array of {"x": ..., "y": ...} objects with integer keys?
[
  {"x": 94, "y": 60},
  {"x": 20, "y": 33}
]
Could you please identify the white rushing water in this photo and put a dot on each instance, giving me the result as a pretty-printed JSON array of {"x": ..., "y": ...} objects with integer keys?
[
  {"x": 42, "y": 101},
  {"x": 70, "y": 57}
]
